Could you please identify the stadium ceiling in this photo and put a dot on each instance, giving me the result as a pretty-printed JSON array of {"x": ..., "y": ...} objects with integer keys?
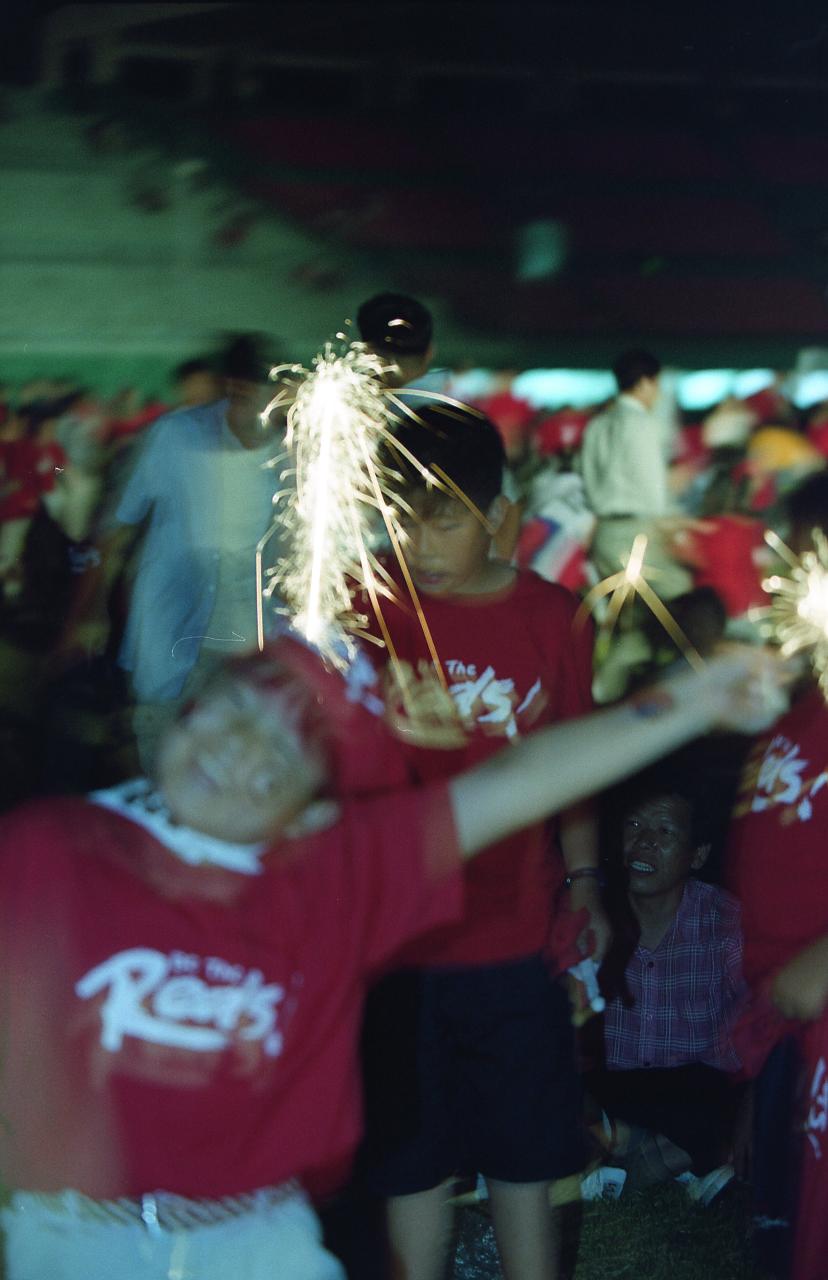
[{"x": 575, "y": 176}]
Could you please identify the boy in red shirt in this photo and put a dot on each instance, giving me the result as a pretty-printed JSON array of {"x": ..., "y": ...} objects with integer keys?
[
  {"x": 183, "y": 967},
  {"x": 778, "y": 869},
  {"x": 496, "y": 1087}
]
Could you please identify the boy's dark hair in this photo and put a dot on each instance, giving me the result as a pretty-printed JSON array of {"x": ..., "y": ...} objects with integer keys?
[
  {"x": 36, "y": 412},
  {"x": 807, "y": 505},
  {"x": 394, "y": 322},
  {"x": 633, "y": 365},
  {"x": 459, "y": 441},
  {"x": 244, "y": 356}
]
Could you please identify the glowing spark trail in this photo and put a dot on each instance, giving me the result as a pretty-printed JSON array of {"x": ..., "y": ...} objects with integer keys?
[
  {"x": 336, "y": 419},
  {"x": 631, "y": 582},
  {"x": 339, "y": 413},
  {"x": 797, "y": 617}
]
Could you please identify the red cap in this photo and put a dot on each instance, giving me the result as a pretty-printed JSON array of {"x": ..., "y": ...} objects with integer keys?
[{"x": 339, "y": 713}]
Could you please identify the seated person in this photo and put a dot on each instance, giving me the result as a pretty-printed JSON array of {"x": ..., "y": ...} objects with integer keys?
[{"x": 673, "y": 979}]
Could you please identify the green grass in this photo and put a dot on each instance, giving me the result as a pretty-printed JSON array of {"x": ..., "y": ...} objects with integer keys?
[
  {"x": 659, "y": 1233},
  {"x": 649, "y": 1235}
]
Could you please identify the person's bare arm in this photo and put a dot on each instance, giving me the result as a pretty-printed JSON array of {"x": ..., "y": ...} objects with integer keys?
[
  {"x": 86, "y": 631},
  {"x": 800, "y": 989},
  {"x": 578, "y": 832},
  {"x": 556, "y": 767}
]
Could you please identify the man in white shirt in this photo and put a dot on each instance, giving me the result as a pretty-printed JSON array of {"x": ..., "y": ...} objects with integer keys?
[{"x": 624, "y": 471}]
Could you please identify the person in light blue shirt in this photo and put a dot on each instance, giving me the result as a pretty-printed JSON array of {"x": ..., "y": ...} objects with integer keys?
[
  {"x": 207, "y": 499},
  {"x": 201, "y": 491}
]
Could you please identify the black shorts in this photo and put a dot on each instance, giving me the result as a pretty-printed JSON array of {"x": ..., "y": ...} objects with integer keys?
[{"x": 471, "y": 1071}]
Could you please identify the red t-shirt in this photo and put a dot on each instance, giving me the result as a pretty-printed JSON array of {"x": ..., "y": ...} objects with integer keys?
[
  {"x": 27, "y": 470},
  {"x": 776, "y": 859},
  {"x": 513, "y": 661},
  {"x": 194, "y": 1028},
  {"x": 818, "y": 435},
  {"x": 726, "y": 553},
  {"x": 560, "y": 431}
]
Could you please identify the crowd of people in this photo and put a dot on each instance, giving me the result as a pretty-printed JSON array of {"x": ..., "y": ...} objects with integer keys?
[{"x": 248, "y": 896}]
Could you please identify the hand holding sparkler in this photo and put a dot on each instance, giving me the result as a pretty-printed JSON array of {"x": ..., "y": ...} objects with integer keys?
[
  {"x": 743, "y": 688},
  {"x": 419, "y": 709}
]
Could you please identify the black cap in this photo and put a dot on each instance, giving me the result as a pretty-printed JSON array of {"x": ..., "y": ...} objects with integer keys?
[
  {"x": 244, "y": 357},
  {"x": 396, "y": 323}
]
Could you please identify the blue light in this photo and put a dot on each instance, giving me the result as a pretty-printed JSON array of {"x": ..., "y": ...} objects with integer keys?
[
  {"x": 473, "y": 384},
  {"x": 703, "y": 389},
  {"x": 811, "y": 389},
  {"x": 554, "y": 388},
  {"x": 749, "y": 381}
]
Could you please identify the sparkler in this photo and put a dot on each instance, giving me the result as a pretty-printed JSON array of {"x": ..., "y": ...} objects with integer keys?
[
  {"x": 336, "y": 419},
  {"x": 797, "y": 617},
  {"x": 631, "y": 582}
]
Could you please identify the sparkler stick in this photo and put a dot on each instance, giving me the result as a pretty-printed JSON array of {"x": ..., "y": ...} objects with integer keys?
[{"x": 627, "y": 584}]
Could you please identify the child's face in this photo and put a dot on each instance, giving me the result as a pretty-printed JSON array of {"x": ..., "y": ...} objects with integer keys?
[
  {"x": 446, "y": 547},
  {"x": 235, "y": 767},
  {"x": 658, "y": 852}
]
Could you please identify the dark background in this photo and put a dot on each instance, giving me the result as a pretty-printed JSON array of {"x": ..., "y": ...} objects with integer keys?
[{"x": 583, "y": 174}]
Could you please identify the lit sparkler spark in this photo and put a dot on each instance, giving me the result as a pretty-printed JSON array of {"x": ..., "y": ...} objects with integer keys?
[
  {"x": 631, "y": 582},
  {"x": 797, "y": 617},
  {"x": 339, "y": 413},
  {"x": 337, "y": 416}
]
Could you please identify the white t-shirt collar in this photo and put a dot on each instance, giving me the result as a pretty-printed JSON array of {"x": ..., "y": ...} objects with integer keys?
[{"x": 141, "y": 802}]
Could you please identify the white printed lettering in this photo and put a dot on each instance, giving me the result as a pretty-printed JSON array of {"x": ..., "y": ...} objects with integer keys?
[
  {"x": 817, "y": 1119},
  {"x": 149, "y": 997}
]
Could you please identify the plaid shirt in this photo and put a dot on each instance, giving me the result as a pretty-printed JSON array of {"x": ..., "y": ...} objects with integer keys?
[{"x": 686, "y": 993}]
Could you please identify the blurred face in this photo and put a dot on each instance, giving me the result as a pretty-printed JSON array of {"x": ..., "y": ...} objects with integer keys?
[
  {"x": 247, "y": 401},
  {"x": 235, "y": 767},
  {"x": 446, "y": 546},
  {"x": 648, "y": 391},
  {"x": 658, "y": 853},
  {"x": 202, "y": 387},
  {"x": 402, "y": 369}
]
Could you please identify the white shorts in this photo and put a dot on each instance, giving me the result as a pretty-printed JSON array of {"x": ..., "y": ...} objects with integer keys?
[{"x": 268, "y": 1235}]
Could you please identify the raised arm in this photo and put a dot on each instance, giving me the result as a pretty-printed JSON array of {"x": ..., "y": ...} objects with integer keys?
[
  {"x": 800, "y": 988},
  {"x": 555, "y": 767}
]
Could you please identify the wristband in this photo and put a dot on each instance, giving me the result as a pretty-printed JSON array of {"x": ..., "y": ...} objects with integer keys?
[{"x": 583, "y": 873}]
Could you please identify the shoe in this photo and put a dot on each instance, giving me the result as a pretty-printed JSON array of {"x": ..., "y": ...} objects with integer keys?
[
  {"x": 604, "y": 1183},
  {"x": 704, "y": 1190}
]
